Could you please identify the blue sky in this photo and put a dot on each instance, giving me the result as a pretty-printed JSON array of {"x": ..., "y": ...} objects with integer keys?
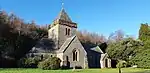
[{"x": 100, "y": 16}]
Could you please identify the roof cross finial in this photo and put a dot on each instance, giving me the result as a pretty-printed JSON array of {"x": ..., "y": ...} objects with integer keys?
[{"x": 62, "y": 4}]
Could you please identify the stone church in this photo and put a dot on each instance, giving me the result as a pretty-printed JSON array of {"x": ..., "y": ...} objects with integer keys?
[{"x": 67, "y": 46}]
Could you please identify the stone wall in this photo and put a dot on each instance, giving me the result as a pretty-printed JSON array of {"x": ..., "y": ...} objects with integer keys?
[
  {"x": 76, "y": 45},
  {"x": 62, "y": 34}
]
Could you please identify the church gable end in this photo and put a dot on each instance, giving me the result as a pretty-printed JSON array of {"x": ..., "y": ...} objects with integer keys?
[{"x": 73, "y": 49}]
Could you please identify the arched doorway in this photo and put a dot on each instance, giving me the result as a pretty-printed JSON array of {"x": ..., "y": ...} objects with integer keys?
[
  {"x": 67, "y": 61},
  {"x": 106, "y": 63}
]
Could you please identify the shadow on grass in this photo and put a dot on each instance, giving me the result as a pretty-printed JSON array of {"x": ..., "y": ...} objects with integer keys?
[{"x": 147, "y": 71}]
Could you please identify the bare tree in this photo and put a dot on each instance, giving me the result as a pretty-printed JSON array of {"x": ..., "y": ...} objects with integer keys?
[
  {"x": 116, "y": 36},
  {"x": 95, "y": 38}
]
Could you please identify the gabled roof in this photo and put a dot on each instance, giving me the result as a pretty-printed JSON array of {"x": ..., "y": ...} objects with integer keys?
[
  {"x": 63, "y": 16},
  {"x": 66, "y": 44},
  {"x": 104, "y": 56},
  {"x": 45, "y": 45},
  {"x": 97, "y": 49}
]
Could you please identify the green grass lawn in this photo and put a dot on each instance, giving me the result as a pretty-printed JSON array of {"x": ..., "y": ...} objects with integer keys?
[{"x": 125, "y": 70}]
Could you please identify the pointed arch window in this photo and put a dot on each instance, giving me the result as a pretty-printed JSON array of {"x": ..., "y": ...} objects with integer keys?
[
  {"x": 67, "y": 31},
  {"x": 75, "y": 55}
]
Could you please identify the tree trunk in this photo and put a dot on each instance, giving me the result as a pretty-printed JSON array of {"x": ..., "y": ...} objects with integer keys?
[{"x": 119, "y": 70}]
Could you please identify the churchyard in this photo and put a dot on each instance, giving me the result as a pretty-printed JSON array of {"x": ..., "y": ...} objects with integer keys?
[
  {"x": 59, "y": 47},
  {"x": 115, "y": 70}
]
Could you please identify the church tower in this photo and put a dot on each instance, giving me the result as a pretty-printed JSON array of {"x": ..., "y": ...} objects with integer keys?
[{"x": 62, "y": 28}]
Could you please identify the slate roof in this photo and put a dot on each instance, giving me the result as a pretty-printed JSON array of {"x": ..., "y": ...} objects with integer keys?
[
  {"x": 63, "y": 16},
  {"x": 45, "y": 45},
  {"x": 97, "y": 49},
  {"x": 66, "y": 44}
]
